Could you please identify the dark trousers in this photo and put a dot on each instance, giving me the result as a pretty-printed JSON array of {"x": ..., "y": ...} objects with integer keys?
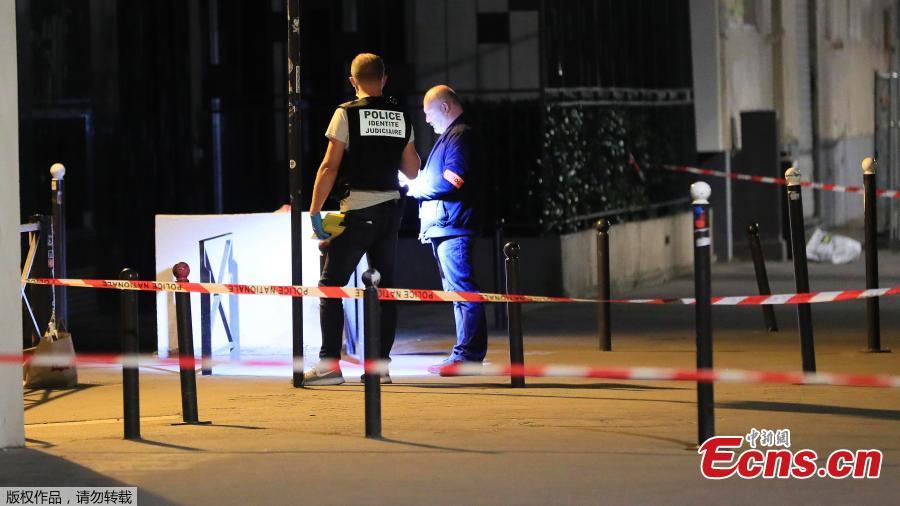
[
  {"x": 454, "y": 256},
  {"x": 371, "y": 231}
]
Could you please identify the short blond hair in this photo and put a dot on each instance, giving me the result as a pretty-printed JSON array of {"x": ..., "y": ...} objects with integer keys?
[{"x": 367, "y": 67}]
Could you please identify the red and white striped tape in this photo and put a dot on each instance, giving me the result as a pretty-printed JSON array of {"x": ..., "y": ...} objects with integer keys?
[
  {"x": 414, "y": 295},
  {"x": 471, "y": 369},
  {"x": 880, "y": 192},
  {"x": 326, "y": 292}
]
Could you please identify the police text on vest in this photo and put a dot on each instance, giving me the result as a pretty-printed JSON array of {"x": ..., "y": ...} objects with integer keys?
[{"x": 382, "y": 123}]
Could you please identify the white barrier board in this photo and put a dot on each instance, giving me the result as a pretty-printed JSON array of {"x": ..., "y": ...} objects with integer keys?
[{"x": 260, "y": 253}]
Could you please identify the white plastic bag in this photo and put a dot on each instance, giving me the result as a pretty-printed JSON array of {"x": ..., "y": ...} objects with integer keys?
[{"x": 837, "y": 249}]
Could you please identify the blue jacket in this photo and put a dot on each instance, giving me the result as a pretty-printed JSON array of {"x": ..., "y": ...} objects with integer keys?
[{"x": 450, "y": 187}]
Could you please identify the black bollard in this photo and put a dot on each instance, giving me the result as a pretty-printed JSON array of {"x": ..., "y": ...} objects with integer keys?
[
  {"x": 131, "y": 403},
  {"x": 873, "y": 315},
  {"x": 514, "y": 313},
  {"x": 801, "y": 273},
  {"x": 297, "y": 113},
  {"x": 604, "y": 323},
  {"x": 703, "y": 308},
  {"x": 58, "y": 207},
  {"x": 186, "y": 347},
  {"x": 762, "y": 276},
  {"x": 372, "y": 380},
  {"x": 499, "y": 281}
]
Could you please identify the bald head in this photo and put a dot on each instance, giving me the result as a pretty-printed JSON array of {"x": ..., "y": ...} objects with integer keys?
[{"x": 442, "y": 107}]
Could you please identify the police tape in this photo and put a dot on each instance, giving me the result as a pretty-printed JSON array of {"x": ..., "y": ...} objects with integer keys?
[
  {"x": 879, "y": 192},
  {"x": 475, "y": 369},
  {"x": 416, "y": 295}
]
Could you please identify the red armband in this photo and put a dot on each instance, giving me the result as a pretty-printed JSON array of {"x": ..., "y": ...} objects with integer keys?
[{"x": 453, "y": 178}]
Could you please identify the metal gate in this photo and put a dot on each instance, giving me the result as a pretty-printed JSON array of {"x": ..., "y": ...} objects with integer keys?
[{"x": 887, "y": 152}]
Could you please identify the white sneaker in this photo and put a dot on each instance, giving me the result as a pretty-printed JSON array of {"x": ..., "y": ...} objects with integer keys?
[{"x": 322, "y": 375}]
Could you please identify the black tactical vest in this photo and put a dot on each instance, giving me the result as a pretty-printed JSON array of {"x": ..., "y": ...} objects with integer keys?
[{"x": 379, "y": 131}]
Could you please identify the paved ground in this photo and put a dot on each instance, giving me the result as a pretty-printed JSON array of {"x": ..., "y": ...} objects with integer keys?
[{"x": 475, "y": 440}]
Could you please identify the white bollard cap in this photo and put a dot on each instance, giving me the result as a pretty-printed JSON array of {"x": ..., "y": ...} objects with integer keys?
[
  {"x": 868, "y": 165},
  {"x": 700, "y": 192},
  {"x": 58, "y": 170},
  {"x": 793, "y": 176}
]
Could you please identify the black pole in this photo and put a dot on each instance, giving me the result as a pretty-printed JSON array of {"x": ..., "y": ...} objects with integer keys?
[
  {"x": 873, "y": 316},
  {"x": 801, "y": 273},
  {"x": 296, "y": 184},
  {"x": 372, "y": 350},
  {"x": 762, "y": 276},
  {"x": 206, "y": 317},
  {"x": 514, "y": 313},
  {"x": 131, "y": 404},
  {"x": 703, "y": 309},
  {"x": 499, "y": 281},
  {"x": 786, "y": 163},
  {"x": 604, "y": 322},
  {"x": 58, "y": 207},
  {"x": 186, "y": 347}
]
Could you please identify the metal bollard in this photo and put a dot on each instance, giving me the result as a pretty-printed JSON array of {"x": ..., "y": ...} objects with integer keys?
[
  {"x": 499, "y": 281},
  {"x": 58, "y": 207},
  {"x": 873, "y": 316},
  {"x": 700, "y": 193},
  {"x": 186, "y": 347},
  {"x": 131, "y": 403},
  {"x": 514, "y": 313},
  {"x": 801, "y": 273},
  {"x": 762, "y": 277},
  {"x": 604, "y": 323},
  {"x": 372, "y": 380},
  {"x": 296, "y": 162}
]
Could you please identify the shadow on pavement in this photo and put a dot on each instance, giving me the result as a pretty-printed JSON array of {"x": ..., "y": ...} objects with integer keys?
[
  {"x": 166, "y": 445},
  {"x": 25, "y": 467},
  {"x": 518, "y": 394},
  {"x": 35, "y": 397},
  {"x": 878, "y": 414},
  {"x": 435, "y": 447}
]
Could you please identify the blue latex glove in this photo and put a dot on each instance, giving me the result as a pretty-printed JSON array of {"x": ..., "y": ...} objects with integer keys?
[{"x": 318, "y": 226}]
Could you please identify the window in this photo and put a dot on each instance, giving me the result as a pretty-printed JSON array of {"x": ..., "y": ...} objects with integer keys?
[{"x": 493, "y": 28}]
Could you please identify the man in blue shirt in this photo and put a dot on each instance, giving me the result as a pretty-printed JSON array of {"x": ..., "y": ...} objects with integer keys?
[{"x": 450, "y": 194}]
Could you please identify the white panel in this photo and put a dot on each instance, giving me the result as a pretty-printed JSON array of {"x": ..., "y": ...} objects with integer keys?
[
  {"x": 462, "y": 51},
  {"x": 706, "y": 75},
  {"x": 493, "y": 66},
  {"x": 523, "y": 28},
  {"x": 11, "y": 410},
  {"x": 430, "y": 44},
  {"x": 262, "y": 251}
]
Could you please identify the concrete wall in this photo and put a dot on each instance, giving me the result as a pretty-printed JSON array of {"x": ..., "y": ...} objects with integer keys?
[
  {"x": 641, "y": 253},
  {"x": 11, "y": 411},
  {"x": 765, "y": 63},
  {"x": 851, "y": 47}
]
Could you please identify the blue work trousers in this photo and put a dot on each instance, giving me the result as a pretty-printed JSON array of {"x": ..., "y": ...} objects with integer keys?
[{"x": 454, "y": 256}]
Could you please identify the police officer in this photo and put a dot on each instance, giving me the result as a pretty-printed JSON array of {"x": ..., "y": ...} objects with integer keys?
[{"x": 369, "y": 139}]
